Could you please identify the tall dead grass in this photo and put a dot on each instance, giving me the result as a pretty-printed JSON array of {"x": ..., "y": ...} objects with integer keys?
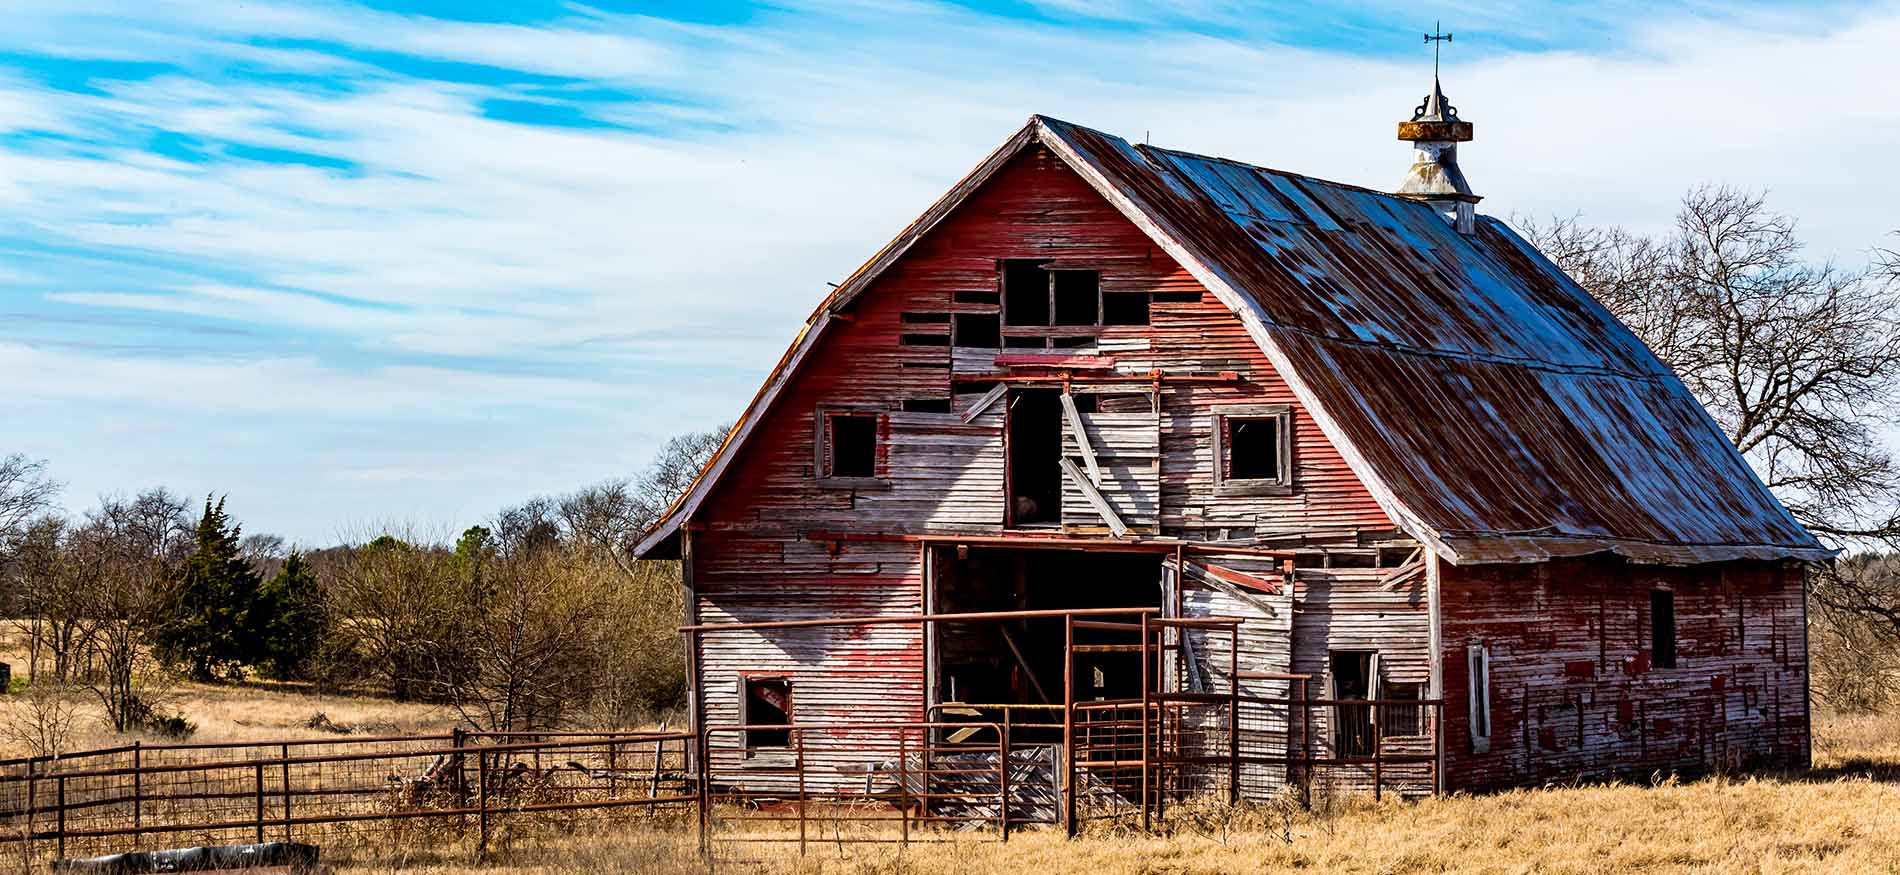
[{"x": 1843, "y": 816}]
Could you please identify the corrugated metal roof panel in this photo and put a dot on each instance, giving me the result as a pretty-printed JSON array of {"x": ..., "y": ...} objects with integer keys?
[{"x": 1496, "y": 403}]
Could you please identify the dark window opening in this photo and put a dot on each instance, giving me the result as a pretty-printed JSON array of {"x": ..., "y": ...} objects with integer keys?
[
  {"x": 1025, "y": 293},
  {"x": 1400, "y": 721},
  {"x": 1024, "y": 343},
  {"x": 1070, "y": 342},
  {"x": 768, "y": 703},
  {"x": 980, "y": 330},
  {"x": 924, "y": 340},
  {"x": 926, "y": 318},
  {"x": 1354, "y": 560},
  {"x": 975, "y": 297},
  {"x": 1177, "y": 297},
  {"x": 1035, "y": 456},
  {"x": 1122, "y": 308},
  {"x": 1662, "y": 628},
  {"x": 1352, "y": 679},
  {"x": 927, "y": 405},
  {"x": 852, "y": 445},
  {"x": 1253, "y": 448},
  {"x": 1078, "y": 297}
]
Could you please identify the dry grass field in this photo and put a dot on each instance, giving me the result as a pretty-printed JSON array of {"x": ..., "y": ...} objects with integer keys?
[{"x": 1844, "y": 816}]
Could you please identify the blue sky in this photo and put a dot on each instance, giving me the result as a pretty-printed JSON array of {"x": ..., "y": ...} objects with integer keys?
[{"x": 413, "y": 260}]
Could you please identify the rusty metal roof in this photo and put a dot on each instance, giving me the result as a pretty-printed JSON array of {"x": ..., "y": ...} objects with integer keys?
[
  {"x": 1498, "y": 411},
  {"x": 1495, "y": 409}
]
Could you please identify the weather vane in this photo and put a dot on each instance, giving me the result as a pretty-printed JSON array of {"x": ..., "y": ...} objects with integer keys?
[{"x": 1435, "y": 37}]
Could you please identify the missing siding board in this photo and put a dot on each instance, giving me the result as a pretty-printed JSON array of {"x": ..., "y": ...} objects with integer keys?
[
  {"x": 977, "y": 330},
  {"x": 967, "y": 297},
  {"x": 1070, "y": 342},
  {"x": 1177, "y": 297},
  {"x": 1025, "y": 343},
  {"x": 925, "y": 318},
  {"x": 924, "y": 339}
]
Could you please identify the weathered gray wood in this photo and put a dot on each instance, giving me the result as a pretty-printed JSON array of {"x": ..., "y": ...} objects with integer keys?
[
  {"x": 991, "y": 397},
  {"x": 1081, "y": 438},
  {"x": 1095, "y": 499}
]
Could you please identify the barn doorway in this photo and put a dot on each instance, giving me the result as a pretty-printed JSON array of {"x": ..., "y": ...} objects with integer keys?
[
  {"x": 1020, "y": 661},
  {"x": 1351, "y": 674}
]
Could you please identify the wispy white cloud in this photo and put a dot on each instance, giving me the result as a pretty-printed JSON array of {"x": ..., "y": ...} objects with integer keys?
[{"x": 399, "y": 250}]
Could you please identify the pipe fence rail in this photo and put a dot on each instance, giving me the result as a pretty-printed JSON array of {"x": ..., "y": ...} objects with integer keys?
[{"x": 373, "y": 794}]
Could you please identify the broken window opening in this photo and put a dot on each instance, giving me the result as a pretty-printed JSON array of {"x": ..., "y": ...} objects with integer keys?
[
  {"x": 1401, "y": 721},
  {"x": 1253, "y": 448},
  {"x": 1123, "y": 308},
  {"x": 1078, "y": 297},
  {"x": 1034, "y": 426},
  {"x": 851, "y": 445},
  {"x": 1025, "y": 293},
  {"x": 978, "y": 330},
  {"x": 1662, "y": 628},
  {"x": 767, "y": 702}
]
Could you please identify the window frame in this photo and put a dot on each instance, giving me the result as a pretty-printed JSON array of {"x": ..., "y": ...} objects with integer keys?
[
  {"x": 821, "y": 447},
  {"x": 1478, "y": 695},
  {"x": 752, "y": 750},
  {"x": 1281, "y": 485}
]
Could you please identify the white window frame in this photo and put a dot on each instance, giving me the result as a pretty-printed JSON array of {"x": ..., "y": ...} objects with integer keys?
[
  {"x": 1478, "y": 675},
  {"x": 1281, "y": 485}
]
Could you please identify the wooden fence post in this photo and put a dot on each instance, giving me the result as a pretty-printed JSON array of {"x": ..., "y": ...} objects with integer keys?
[
  {"x": 260, "y": 802},
  {"x": 62, "y": 817},
  {"x": 284, "y": 752},
  {"x": 138, "y": 793},
  {"x": 481, "y": 801}
]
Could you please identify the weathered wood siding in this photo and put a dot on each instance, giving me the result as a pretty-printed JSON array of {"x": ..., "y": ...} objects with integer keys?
[
  {"x": 1266, "y": 646},
  {"x": 1573, "y": 692},
  {"x": 1351, "y": 609},
  {"x": 753, "y": 557}
]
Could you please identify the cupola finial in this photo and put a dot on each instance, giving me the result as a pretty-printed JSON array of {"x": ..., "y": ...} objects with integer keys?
[{"x": 1435, "y": 132}]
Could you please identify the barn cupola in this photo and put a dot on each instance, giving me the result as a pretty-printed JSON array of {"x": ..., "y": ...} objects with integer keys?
[{"x": 1435, "y": 132}]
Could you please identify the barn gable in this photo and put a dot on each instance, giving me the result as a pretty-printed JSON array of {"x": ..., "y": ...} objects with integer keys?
[{"x": 1495, "y": 411}]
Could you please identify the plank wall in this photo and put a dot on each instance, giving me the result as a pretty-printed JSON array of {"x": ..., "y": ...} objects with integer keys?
[{"x": 1574, "y": 693}]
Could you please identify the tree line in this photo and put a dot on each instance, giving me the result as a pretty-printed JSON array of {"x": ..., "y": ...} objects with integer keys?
[{"x": 537, "y": 618}]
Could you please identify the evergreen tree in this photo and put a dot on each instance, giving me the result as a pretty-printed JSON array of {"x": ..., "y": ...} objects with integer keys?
[
  {"x": 290, "y": 619},
  {"x": 211, "y": 602}
]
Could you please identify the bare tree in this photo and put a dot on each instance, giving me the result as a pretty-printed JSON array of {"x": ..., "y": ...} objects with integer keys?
[
  {"x": 398, "y": 606},
  {"x": 1798, "y": 362},
  {"x": 25, "y": 493},
  {"x": 125, "y": 552}
]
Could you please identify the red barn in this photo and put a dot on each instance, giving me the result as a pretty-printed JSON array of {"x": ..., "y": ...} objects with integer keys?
[{"x": 1451, "y": 511}]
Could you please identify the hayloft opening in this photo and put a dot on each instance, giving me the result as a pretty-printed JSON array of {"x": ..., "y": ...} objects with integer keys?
[
  {"x": 1662, "y": 628},
  {"x": 1034, "y": 477},
  {"x": 851, "y": 445},
  {"x": 1025, "y": 293},
  {"x": 1020, "y": 662}
]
